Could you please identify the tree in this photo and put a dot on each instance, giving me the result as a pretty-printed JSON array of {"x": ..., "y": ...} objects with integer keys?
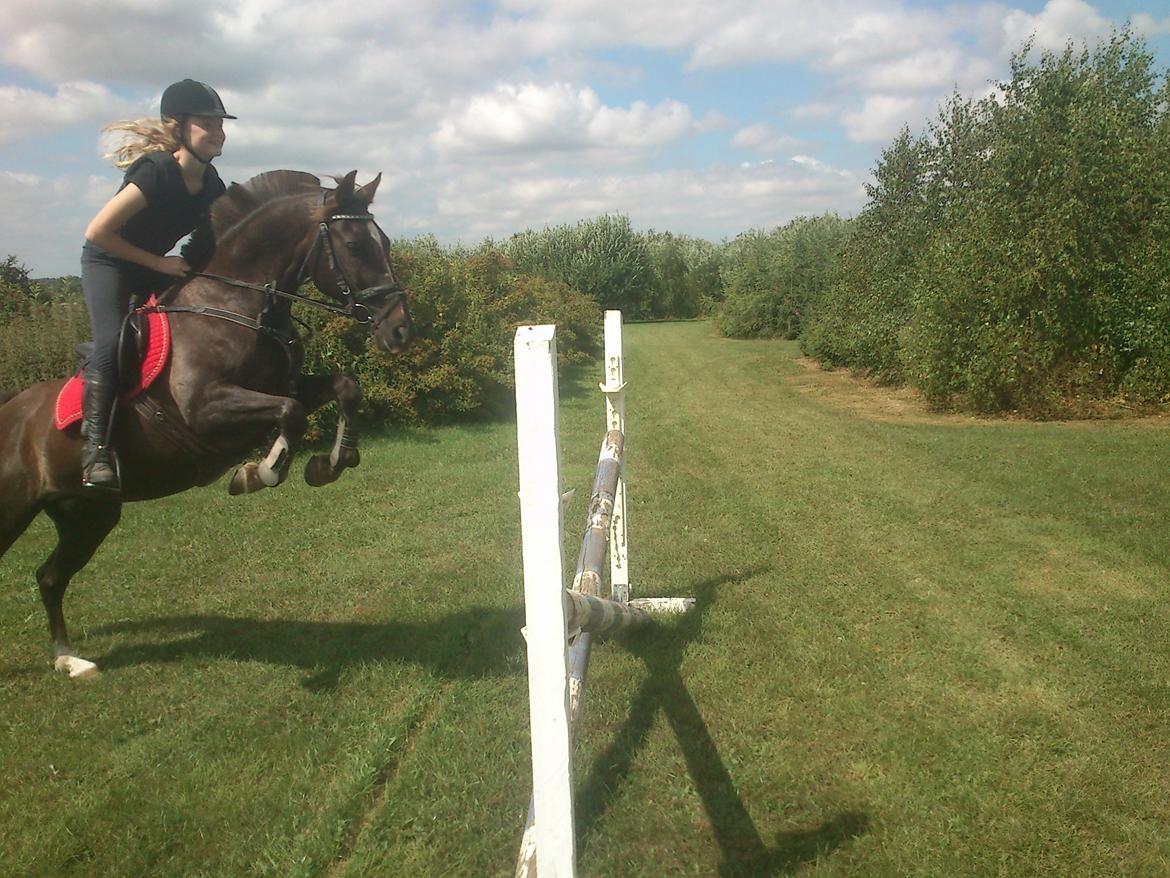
[{"x": 17, "y": 289}]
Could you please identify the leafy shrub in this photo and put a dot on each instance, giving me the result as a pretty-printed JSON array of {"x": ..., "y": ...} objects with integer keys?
[
  {"x": 770, "y": 278},
  {"x": 603, "y": 258},
  {"x": 38, "y": 344},
  {"x": 466, "y": 305},
  {"x": 654, "y": 275},
  {"x": 685, "y": 276},
  {"x": 1014, "y": 257}
]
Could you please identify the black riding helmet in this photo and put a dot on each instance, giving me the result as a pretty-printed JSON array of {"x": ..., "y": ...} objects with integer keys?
[{"x": 191, "y": 98}]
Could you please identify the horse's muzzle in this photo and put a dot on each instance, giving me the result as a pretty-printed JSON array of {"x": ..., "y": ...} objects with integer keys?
[{"x": 390, "y": 324}]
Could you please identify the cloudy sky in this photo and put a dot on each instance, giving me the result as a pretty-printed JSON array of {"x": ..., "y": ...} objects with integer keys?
[{"x": 486, "y": 118}]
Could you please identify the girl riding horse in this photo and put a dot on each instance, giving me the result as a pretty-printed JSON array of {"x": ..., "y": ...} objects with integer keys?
[{"x": 167, "y": 191}]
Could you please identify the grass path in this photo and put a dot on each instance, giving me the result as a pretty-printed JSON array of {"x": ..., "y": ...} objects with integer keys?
[{"x": 924, "y": 646}]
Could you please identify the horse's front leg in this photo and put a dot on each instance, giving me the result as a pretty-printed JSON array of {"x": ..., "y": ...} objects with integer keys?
[
  {"x": 315, "y": 391},
  {"x": 234, "y": 409}
]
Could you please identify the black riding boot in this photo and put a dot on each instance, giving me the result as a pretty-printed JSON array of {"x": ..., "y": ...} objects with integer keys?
[{"x": 99, "y": 467}]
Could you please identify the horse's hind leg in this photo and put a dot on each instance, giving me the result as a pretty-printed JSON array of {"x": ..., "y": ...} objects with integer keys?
[{"x": 82, "y": 525}]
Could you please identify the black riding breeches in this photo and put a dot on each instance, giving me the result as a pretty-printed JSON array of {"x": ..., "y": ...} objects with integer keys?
[{"x": 110, "y": 286}]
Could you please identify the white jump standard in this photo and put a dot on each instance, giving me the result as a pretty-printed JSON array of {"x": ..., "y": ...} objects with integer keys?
[{"x": 559, "y": 623}]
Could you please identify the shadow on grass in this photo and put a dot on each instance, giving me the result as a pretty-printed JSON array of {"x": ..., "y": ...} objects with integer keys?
[
  {"x": 473, "y": 643},
  {"x": 744, "y": 851}
]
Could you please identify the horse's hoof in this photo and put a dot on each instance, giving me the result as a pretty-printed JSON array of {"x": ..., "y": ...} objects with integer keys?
[
  {"x": 345, "y": 458},
  {"x": 318, "y": 472},
  {"x": 245, "y": 480},
  {"x": 76, "y": 668}
]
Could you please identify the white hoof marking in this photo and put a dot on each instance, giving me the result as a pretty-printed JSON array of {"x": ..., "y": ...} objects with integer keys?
[{"x": 77, "y": 668}]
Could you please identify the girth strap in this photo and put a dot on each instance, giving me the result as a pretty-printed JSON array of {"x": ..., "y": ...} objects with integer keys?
[{"x": 180, "y": 435}]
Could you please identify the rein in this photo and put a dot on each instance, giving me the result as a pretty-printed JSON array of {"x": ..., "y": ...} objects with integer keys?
[{"x": 356, "y": 307}]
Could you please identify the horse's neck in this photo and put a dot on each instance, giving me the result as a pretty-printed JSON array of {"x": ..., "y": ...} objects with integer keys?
[{"x": 266, "y": 248}]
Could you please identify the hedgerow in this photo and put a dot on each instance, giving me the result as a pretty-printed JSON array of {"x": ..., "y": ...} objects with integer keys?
[
  {"x": 465, "y": 305},
  {"x": 1014, "y": 257}
]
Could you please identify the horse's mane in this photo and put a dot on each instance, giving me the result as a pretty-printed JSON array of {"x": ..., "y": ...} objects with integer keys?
[{"x": 238, "y": 203}]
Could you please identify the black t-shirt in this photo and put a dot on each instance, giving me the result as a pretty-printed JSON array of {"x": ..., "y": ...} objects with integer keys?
[{"x": 171, "y": 211}]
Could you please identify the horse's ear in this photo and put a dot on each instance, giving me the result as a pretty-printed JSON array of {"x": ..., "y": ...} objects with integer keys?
[
  {"x": 344, "y": 191},
  {"x": 366, "y": 193}
]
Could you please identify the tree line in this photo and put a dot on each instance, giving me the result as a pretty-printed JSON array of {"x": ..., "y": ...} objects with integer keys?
[{"x": 1012, "y": 257}]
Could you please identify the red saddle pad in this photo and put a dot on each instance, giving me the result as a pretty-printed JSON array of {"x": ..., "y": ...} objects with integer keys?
[{"x": 158, "y": 348}]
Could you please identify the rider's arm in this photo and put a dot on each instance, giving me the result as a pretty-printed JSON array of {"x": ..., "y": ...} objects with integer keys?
[{"x": 106, "y": 227}]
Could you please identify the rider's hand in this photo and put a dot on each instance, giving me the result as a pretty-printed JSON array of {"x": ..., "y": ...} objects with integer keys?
[{"x": 175, "y": 266}]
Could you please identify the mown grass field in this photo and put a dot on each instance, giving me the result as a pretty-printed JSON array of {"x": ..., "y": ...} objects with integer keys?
[{"x": 924, "y": 646}]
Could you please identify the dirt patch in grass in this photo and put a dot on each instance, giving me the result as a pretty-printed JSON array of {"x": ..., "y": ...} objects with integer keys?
[
  {"x": 880, "y": 402},
  {"x": 869, "y": 399}
]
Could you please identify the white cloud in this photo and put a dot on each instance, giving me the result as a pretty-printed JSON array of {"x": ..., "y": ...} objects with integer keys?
[
  {"x": 881, "y": 117},
  {"x": 556, "y": 117},
  {"x": 763, "y": 139},
  {"x": 837, "y": 34},
  {"x": 929, "y": 70},
  {"x": 1055, "y": 25},
  {"x": 641, "y": 124},
  {"x": 53, "y": 213},
  {"x": 491, "y": 116},
  {"x": 25, "y": 112},
  {"x": 1146, "y": 24},
  {"x": 705, "y": 203}
]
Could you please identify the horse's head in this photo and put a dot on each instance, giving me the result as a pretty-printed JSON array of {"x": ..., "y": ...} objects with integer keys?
[{"x": 349, "y": 262}]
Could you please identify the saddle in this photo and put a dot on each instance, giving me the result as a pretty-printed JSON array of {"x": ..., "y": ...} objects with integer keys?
[{"x": 143, "y": 351}]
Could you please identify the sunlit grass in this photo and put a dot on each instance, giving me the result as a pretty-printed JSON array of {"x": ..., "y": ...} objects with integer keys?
[{"x": 924, "y": 646}]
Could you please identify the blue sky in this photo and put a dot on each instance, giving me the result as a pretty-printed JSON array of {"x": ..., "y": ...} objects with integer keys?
[{"x": 487, "y": 118}]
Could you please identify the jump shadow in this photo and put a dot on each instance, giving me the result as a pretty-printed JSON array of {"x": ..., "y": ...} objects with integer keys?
[
  {"x": 473, "y": 643},
  {"x": 661, "y": 648}
]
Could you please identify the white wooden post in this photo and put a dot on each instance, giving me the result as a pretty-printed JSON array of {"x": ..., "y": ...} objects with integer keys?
[
  {"x": 542, "y": 528},
  {"x": 615, "y": 419}
]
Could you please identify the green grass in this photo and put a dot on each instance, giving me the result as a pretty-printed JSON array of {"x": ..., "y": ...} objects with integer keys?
[{"x": 923, "y": 646}]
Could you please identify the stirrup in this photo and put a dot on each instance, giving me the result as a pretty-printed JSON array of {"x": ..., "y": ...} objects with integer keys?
[{"x": 103, "y": 474}]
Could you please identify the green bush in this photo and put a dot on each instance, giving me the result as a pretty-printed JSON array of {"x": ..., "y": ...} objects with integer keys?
[
  {"x": 646, "y": 276},
  {"x": 685, "y": 276},
  {"x": 38, "y": 344},
  {"x": 866, "y": 302},
  {"x": 771, "y": 278},
  {"x": 1015, "y": 256},
  {"x": 603, "y": 258},
  {"x": 466, "y": 305}
]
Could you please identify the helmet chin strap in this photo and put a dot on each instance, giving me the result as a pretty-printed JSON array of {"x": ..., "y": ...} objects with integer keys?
[
  {"x": 197, "y": 156},
  {"x": 187, "y": 146}
]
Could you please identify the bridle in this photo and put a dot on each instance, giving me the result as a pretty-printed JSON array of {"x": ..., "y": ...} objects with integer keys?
[{"x": 359, "y": 306}]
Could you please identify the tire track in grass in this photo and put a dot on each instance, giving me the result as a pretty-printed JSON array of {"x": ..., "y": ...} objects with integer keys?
[
  {"x": 399, "y": 748},
  {"x": 422, "y": 716}
]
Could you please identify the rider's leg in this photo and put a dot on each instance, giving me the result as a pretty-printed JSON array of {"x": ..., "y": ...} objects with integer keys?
[
  {"x": 107, "y": 285},
  {"x": 99, "y": 469}
]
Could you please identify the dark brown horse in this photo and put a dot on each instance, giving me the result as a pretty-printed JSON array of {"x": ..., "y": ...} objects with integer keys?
[{"x": 233, "y": 377}]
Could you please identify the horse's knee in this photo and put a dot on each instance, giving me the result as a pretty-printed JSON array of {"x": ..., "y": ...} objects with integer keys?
[{"x": 347, "y": 390}]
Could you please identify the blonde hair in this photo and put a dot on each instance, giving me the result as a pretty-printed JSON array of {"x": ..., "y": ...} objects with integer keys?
[{"x": 140, "y": 136}]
